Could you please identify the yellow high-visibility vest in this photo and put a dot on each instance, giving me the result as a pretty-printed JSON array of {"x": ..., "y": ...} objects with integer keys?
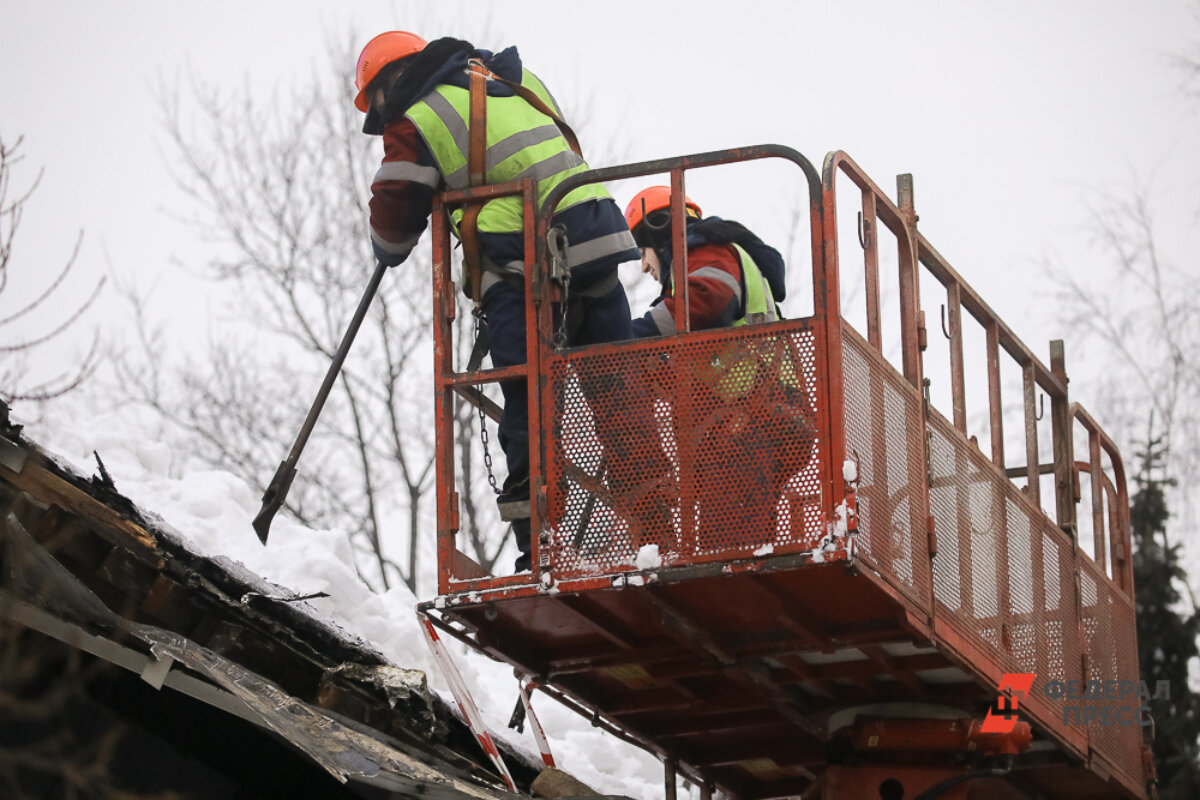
[{"x": 522, "y": 143}]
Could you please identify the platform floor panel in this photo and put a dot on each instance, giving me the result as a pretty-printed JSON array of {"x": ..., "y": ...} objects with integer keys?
[
  {"x": 734, "y": 674},
  {"x": 737, "y": 675}
]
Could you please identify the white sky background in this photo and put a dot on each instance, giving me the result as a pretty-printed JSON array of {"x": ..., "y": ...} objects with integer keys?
[
  {"x": 1006, "y": 115},
  {"x": 1010, "y": 117}
]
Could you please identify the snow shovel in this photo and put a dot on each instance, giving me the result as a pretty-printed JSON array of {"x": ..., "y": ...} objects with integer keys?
[{"x": 277, "y": 490}]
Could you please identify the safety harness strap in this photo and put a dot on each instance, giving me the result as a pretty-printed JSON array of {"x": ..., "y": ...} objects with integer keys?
[
  {"x": 527, "y": 94},
  {"x": 476, "y": 171},
  {"x": 477, "y": 176}
]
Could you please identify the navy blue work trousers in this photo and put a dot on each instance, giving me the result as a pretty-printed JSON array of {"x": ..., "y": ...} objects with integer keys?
[{"x": 591, "y": 320}]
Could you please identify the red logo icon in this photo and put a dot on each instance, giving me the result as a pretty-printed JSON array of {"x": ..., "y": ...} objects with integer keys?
[{"x": 1002, "y": 716}]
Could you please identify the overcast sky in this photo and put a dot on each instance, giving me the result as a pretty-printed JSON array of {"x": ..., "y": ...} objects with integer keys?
[{"x": 1010, "y": 116}]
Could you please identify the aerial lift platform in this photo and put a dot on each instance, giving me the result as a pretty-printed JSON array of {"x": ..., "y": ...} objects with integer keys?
[{"x": 851, "y": 641}]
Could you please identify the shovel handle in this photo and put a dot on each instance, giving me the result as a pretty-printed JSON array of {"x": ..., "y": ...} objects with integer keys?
[{"x": 276, "y": 493}]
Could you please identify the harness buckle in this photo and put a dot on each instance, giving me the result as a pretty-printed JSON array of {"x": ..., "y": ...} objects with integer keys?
[{"x": 556, "y": 243}]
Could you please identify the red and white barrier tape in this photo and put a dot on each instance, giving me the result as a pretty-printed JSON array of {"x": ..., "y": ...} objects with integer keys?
[
  {"x": 538, "y": 733},
  {"x": 462, "y": 696}
]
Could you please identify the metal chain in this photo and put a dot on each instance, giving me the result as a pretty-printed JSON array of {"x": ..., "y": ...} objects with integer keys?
[
  {"x": 483, "y": 431},
  {"x": 556, "y": 241},
  {"x": 559, "y": 340}
]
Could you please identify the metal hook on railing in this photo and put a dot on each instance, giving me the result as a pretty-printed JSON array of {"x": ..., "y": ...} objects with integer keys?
[
  {"x": 945, "y": 332},
  {"x": 864, "y": 231},
  {"x": 1041, "y": 406}
]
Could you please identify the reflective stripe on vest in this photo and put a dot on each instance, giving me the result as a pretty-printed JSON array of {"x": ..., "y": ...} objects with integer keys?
[{"x": 521, "y": 143}]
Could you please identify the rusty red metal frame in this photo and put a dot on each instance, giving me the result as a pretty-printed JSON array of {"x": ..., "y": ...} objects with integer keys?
[
  {"x": 1117, "y": 525},
  {"x": 677, "y": 168},
  {"x": 468, "y": 593},
  {"x": 455, "y": 567},
  {"x": 916, "y": 252}
]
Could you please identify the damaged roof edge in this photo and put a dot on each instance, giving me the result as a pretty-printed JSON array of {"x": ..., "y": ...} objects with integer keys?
[
  {"x": 39, "y": 494},
  {"x": 346, "y": 750}
]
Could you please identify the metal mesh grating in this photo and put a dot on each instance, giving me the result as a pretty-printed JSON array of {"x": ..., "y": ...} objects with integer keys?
[
  {"x": 963, "y": 502},
  {"x": 1022, "y": 605},
  {"x": 705, "y": 445},
  {"x": 883, "y": 427},
  {"x": 965, "y": 506},
  {"x": 952, "y": 568},
  {"x": 1111, "y": 657},
  {"x": 1022, "y": 621},
  {"x": 1003, "y": 572},
  {"x": 1101, "y": 650},
  {"x": 1058, "y": 656},
  {"x": 1127, "y": 743}
]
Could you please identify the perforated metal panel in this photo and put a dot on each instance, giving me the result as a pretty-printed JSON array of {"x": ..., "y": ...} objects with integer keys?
[
  {"x": 1023, "y": 604},
  {"x": 966, "y": 506},
  {"x": 1022, "y": 623},
  {"x": 966, "y": 502},
  {"x": 706, "y": 447},
  {"x": 1108, "y": 617},
  {"x": 1059, "y": 645},
  {"x": 883, "y": 427},
  {"x": 1003, "y": 573}
]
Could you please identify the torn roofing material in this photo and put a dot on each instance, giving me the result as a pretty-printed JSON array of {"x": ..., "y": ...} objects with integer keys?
[{"x": 85, "y": 567}]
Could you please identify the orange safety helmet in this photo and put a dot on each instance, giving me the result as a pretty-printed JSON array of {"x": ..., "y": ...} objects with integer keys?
[
  {"x": 379, "y": 52},
  {"x": 653, "y": 199}
]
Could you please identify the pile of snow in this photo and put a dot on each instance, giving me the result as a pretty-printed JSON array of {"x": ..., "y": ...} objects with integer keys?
[
  {"x": 212, "y": 511},
  {"x": 648, "y": 557}
]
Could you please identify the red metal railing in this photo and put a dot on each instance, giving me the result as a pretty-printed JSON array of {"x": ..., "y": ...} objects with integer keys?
[
  {"x": 614, "y": 470},
  {"x": 624, "y": 452},
  {"x": 1108, "y": 491},
  {"x": 699, "y": 475},
  {"x": 452, "y": 563},
  {"x": 1010, "y": 589}
]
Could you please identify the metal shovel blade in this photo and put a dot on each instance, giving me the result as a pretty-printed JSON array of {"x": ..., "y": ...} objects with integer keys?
[{"x": 273, "y": 499}]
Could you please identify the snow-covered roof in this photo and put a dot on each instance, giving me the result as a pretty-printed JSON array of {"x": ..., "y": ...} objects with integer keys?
[{"x": 82, "y": 563}]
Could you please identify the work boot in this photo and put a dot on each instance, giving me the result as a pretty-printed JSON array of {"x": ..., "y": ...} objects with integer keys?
[{"x": 521, "y": 533}]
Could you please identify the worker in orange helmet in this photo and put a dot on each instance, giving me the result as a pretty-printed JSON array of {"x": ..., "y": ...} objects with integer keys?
[
  {"x": 752, "y": 422},
  {"x": 419, "y": 96},
  {"x": 733, "y": 276}
]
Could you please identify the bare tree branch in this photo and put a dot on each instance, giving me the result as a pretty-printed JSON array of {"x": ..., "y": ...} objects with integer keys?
[
  {"x": 1143, "y": 314},
  {"x": 280, "y": 186},
  {"x": 14, "y": 380}
]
